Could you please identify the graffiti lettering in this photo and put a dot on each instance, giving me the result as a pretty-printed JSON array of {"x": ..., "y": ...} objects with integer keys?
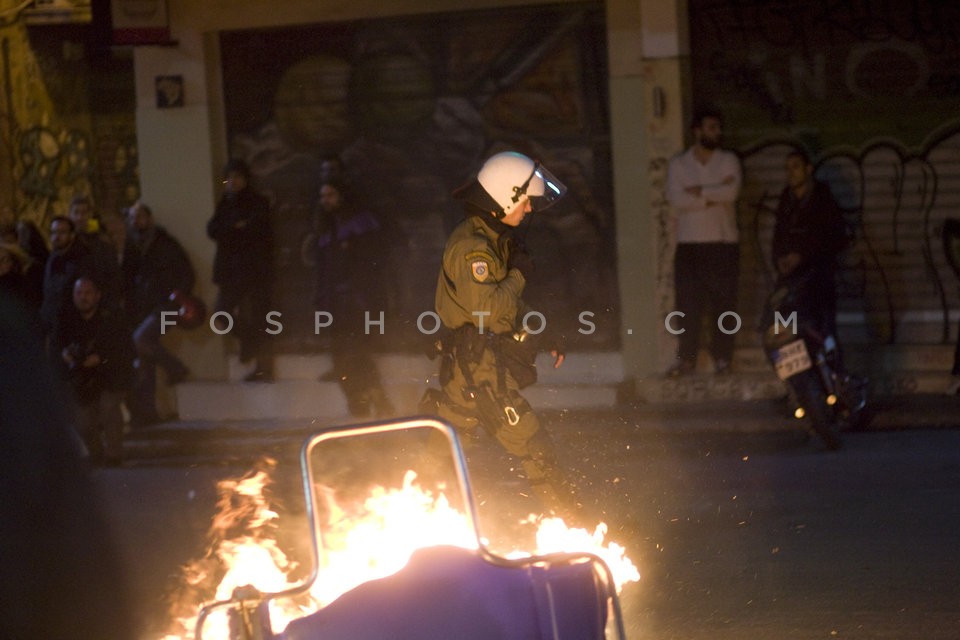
[
  {"x": 860, "y": 56},
  {"x": 931, "y": 25}
]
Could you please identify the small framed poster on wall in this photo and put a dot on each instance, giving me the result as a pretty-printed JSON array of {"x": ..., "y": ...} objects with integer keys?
[{"x": 169, "y": 91}]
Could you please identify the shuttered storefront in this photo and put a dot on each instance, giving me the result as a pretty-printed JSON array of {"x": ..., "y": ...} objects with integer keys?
[{"x": 871, "y": 90}]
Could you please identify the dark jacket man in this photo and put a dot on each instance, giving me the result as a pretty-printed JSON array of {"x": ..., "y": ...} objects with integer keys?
[
  {"x": 163, "y": 267},
  {"x": 241, "y": 228},
  {"x": 68, "y": 260},
  {"x": 98, "y": 331},
  {"x": 243, "y": 265},
  {"x": 809, "y": 234}
]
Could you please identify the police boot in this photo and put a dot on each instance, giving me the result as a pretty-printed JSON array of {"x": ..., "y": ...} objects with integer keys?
[
  {"x": 557, "y": 495},
  {"x": 382, "y": 407},
  {"x": 430, "y": 402}
]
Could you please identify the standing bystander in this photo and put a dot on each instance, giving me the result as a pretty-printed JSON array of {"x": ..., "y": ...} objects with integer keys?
[
  {"x": 703, "y": 184},
  {"x": 243, "y": 265},
  {"x": 102, "y": 254},
  {"x": 348, "y": 252},
  {"x": 68, "y": 259}
]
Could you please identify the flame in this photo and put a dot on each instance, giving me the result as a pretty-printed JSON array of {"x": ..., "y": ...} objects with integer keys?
[
  {"x": 554, "y": 536},
  {"x": 378, "y": 541},
  {"x": 362, "y": 542},
  {"x": 242, "y": 550}
]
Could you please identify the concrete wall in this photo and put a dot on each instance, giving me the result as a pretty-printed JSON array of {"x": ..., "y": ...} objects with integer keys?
[{"x": 647, "y": 96}]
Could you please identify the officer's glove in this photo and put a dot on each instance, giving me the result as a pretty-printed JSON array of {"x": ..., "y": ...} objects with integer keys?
[
  {"x": 519, "y": 258},
  {"x": 557, "y": 346}
]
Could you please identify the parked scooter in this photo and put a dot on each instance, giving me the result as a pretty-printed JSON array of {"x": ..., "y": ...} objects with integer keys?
[{"x": 824, "y": 394}]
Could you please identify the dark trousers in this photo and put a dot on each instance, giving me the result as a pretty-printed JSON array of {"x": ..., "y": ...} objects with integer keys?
[
  {"x": 249, "y": 306},
  {"x": 352, "y": 349},
  {"x": 100, "y": 424},
  {"x": 819, "y": 297},
  {"x": 356, "y": 371},
  {"x": 705, "y": 283},
  {"x": 150, "y": 354}
]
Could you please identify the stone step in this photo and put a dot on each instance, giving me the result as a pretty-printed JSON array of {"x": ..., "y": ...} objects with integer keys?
[
  {"x": 761, "y": 386},
  {"x": 589, "y": 380},
  {"x": 300, "y": 399},
  {"x": 905, "y": 358},
  {"x": 585, "y": 380},
  {"x": 861, "y": 357},
  {"x": 601, "y": 367}
]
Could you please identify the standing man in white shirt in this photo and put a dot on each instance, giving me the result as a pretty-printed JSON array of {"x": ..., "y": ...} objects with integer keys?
[{"x": 703, "y": 184}]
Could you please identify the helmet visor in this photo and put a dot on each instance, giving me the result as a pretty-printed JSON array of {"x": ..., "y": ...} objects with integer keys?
[{"x": 544, "y": 188}]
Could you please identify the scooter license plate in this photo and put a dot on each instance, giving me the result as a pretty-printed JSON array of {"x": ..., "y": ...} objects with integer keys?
[{"x": 791, "y": 359}]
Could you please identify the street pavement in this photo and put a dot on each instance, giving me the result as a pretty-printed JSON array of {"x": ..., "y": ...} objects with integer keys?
[{"x": 740, "y": 526}]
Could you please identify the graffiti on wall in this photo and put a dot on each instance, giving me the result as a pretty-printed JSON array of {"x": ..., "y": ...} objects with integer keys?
[
  {"x": 841, "y": 68},
  {"x": 54, "y": 132},
  {"x": 869, "y": 89},
  {"x": 52, "y": 166},
  {"x": 895, "y": 273},
  {"x": 412, "y": 106}
]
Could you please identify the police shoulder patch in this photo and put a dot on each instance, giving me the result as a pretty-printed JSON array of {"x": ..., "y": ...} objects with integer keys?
[
  {"x": 479, "y": 265},
  {"x": 480, "y": 269}
]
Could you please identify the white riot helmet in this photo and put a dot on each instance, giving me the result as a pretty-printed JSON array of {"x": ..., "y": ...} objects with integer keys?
[{"x": 508, "y": 176}]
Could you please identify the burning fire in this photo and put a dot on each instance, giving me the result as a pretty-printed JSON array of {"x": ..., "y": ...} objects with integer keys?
[
  {"x": 553, "y": 536},
  {"x": 366, "y": 543},
  {"x": 379, "y": 541}
]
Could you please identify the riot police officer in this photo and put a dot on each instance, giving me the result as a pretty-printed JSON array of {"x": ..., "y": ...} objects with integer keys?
[{"x": 487, "y": 353}]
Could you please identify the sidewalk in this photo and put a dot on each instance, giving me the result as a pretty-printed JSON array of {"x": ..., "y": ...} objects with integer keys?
[
  {"x": 223, "y": 439},
  {"x": 586, "y": 381},
  {"x": 910, "y": 411}
]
